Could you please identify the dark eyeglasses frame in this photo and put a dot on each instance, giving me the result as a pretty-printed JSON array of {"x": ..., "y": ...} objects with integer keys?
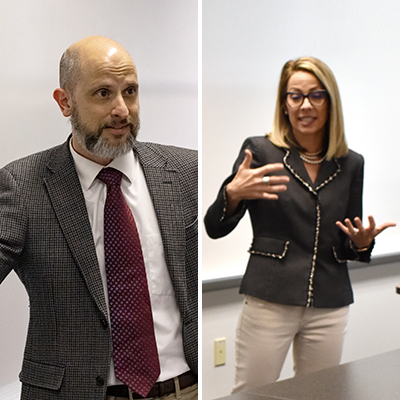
[{"x": 306, "y": 95}]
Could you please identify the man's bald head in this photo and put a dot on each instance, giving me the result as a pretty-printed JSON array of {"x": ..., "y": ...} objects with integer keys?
[
  {"x": 74, "y": 57},
  {"x": 99, "y": 93}
]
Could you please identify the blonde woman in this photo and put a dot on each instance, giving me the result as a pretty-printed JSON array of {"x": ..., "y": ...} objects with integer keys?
[{"x": 303, "y": 189}]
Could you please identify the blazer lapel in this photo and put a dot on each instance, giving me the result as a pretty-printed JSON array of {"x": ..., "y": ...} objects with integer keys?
[
  {"x": 164, "y": 187},
  {"x": 328, "y": 171},
  {"x": 294, "y": 163},
  {"x": 69, "y": 205}
]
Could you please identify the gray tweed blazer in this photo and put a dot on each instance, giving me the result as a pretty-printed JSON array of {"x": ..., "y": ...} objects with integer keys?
[{"x": 45, "y": 237}]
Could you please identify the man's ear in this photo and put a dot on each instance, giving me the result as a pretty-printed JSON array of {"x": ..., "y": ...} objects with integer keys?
[{"x": 64, "y": 100}]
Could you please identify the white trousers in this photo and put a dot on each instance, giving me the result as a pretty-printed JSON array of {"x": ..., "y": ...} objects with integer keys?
[{"x": 266, "y": 330}]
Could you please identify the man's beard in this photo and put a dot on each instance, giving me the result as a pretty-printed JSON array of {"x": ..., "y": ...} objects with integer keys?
[{"x": 96, "y": 143}]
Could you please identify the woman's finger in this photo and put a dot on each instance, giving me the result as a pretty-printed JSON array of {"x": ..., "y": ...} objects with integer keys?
[{"x": 247, "y": 159}]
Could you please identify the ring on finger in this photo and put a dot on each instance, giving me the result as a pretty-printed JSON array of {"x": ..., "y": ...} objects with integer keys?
[
  {"x": 265, "y": 179},
  {"x": 355, "y": 231}
]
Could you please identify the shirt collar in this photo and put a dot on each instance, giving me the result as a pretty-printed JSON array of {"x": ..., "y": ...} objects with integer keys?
[{"x": 88, "y": 170}]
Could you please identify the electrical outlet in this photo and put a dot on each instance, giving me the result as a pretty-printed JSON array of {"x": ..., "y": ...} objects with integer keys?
[{"x": 219, "y": 351}]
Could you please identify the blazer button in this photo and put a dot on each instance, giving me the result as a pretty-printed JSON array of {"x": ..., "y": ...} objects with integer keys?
[
  {"x": 104, "y": 323},
  {"x": 100, "y": 381}
]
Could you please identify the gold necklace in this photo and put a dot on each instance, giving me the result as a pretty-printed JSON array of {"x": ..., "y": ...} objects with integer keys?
[{"x": 312, "y": 158}]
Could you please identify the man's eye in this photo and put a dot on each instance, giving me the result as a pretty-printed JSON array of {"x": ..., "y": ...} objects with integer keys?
[
  {"x": 131, "y": 91},
  {"x": 102, "y": 93}
]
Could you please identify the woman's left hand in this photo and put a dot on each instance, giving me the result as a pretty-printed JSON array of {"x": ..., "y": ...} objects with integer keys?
[{"x": 362, "y": 236}]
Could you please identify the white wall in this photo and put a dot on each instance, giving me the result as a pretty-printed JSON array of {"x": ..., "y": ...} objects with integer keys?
[
  {"x": 374, "y": 325},
  {"x": 161, "y": 37},
  {"x": 245, "y": 45}
]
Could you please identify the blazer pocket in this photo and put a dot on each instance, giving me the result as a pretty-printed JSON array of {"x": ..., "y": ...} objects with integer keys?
[
  {"x": 192, "y": 225},
  {"x": 339, "y": 255},
  {"x": 269, "y": 247},
  {"x": 48, "y": 376},
  {"x": 191, "y": 230}
]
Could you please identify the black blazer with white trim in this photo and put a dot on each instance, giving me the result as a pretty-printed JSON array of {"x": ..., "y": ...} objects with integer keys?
[{"x": 298, "y": 255}]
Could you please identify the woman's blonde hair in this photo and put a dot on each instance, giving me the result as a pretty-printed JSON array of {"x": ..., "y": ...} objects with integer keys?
[{"x": 281, "y": 132}]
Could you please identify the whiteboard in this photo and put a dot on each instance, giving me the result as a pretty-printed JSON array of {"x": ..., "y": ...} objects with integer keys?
[{"x": 245, "y": 45}]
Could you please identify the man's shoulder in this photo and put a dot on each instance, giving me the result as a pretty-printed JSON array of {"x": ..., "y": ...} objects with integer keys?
[
  {"x": 173, "y": 155},
  {"x": 36, "y": 161}
]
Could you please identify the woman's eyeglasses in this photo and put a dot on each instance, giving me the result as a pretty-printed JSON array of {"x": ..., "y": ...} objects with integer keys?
[{"x": 316, "y": 98}]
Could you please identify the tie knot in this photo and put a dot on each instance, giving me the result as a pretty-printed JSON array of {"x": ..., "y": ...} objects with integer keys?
[{"x": 110, "y": 176}]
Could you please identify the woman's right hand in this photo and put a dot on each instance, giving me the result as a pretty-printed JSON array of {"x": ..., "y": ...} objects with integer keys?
[{"x": 248, "y": 183}]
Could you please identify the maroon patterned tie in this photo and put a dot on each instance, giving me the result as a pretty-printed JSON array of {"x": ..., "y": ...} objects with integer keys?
[{"x": 134, "y": 346}]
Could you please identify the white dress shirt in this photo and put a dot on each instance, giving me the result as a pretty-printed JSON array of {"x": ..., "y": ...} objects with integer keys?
[{"x": 166, "y": 316}]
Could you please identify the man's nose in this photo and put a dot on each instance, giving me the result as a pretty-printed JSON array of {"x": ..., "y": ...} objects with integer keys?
[{"x": 120, "y": 109}]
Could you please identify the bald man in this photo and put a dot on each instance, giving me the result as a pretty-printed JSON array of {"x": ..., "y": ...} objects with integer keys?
[{"x": 54, "y": 234}]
